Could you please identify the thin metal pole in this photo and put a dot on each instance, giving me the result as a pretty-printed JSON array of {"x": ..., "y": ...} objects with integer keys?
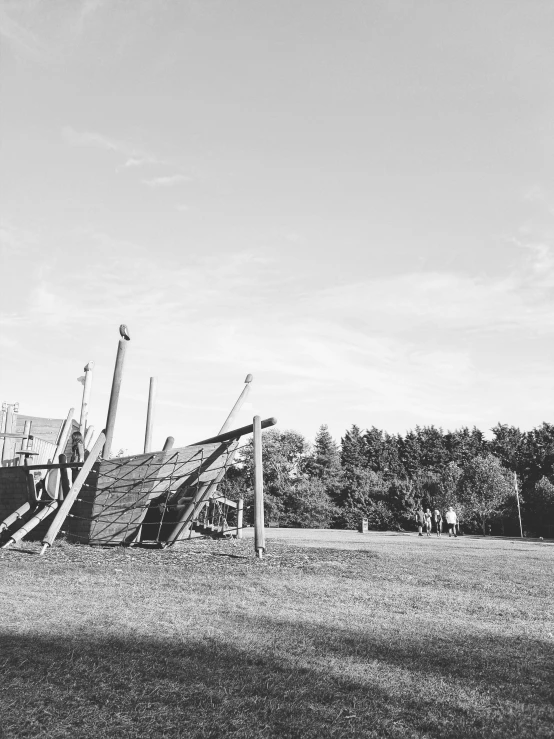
[
  {"x": 114, "y": 397},
  {"x": 87, "y": 385},
  {"x": 518, "y": 506},
  {"x": 259, "y": 533},
  {"x": 150, "y": 415}
]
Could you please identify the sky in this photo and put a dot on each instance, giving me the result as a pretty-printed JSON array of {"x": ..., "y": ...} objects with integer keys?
[{"x": 353, "y": 201}]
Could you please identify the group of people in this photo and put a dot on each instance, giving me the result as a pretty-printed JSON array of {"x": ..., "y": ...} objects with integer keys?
[{"x": 426, "y": 519}]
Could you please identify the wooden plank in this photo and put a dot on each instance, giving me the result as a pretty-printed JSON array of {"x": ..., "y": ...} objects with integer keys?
[{"x": 225, "y": 501}]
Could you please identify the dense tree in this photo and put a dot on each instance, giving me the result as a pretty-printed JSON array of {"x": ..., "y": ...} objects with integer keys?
[
  {"x": 433, "y": 453},
  {"x": 374, "y": 444},
  {"x": 324, "y": 462},
  {"x": 463, "y": 445},
  {"x": 283, "y": 453},
  {"x": 539, "y": 508},
  {"x": 367, "y": 498},
  {"x": 509, "y": 444},
  {"x": 403, "y": 498},
  {"x": 538, "y": 453},
  {"x": 411, "y": 452},
  {"x": 449, "y": 484},
  {"x": 484, "y": 489},
  {"x": 308, "y": 505},
  {"x": 353, "y": 452}
]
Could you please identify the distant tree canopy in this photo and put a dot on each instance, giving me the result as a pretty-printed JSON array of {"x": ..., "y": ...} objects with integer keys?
[{"x": 385, "y": 477}]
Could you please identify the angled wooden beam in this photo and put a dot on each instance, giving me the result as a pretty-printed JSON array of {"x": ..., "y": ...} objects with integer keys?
[
  {"x": 65, "y": 507},
  {"x": 236, "y": 433}
]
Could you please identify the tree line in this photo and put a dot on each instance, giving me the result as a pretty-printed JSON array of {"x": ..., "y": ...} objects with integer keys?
[{"x": 385, "y": 477}]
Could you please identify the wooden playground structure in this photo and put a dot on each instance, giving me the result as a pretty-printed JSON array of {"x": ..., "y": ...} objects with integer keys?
[{"x": 155, "y": 498}]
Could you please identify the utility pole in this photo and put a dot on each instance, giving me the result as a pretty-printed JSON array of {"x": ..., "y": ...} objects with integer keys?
[{"x": 518, "y": 507}]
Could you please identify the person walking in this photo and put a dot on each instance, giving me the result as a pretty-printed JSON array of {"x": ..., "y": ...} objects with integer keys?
[
  {"x": 437, "y": 518},
  {"x": 420, "y": 520},
  {"x": 451, "y": 522},
  {"x": 428, "y": 518}
]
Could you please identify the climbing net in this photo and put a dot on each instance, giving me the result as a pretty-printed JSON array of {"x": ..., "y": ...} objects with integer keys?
[{"x": 154, "y": 498}]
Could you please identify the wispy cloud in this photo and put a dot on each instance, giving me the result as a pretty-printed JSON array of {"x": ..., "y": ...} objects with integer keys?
[
  {"x": 167, "y": 181},
  {"x": 19, "y": 37},
  {"x": 134, "y": 156}
]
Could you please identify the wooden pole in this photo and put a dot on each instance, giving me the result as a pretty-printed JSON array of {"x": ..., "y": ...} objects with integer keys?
[
  {"x": 43, "y": 513},
  {"x": 150, "y": 416},
  {"x": 86, "y": 397},
  {"x": 3, "y": 431},
  {"x": 65, "y": 507},
  {"x": 259, "y": 533},
  {"x": 12, "y": 518},
  {"x": 88, "y": 437},
  {"x": 238, "y": 405},
  {"x": 64, "y": 434},
  {"x": 518, "y": 507},
  {"x": 169, "y": 444},
  {"x": 114, "y": 397},
  {"x": 8, "y": 427},
  {"x": 64, "y": 478},
  {"x": 236, "y": 433},
  {"x": 240, "y": 511},
  {"x": 52, "y": 480}
]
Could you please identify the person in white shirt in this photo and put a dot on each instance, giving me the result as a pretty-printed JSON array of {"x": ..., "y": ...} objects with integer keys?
[{"x": 451, "y": 521}]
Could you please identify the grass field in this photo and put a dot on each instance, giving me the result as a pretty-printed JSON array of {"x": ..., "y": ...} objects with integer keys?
[{"x": 334, "y": 634}]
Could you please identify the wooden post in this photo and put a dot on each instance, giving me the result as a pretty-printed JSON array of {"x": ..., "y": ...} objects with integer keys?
[
  {"x": 52, "y": 480},
  {"x": 114, "y": 397},
  {"x": 88, "y": 437},
  {"x": 65, "y": 507},
  {"x": 238, "y": 405},
  {"x": 150, "y": 416},
  {"x": 64, "y": 478},
  {"x": 259, "y": 533},
  {"x": 8, "y": 425},
  {"x": 518, "y": 508},
  {"x": 169, "y": 444},
  {"x": 64, "y": 435},
  {"x": 3, "y": 430},
  {"x": 240, "y": 511},
  {"x": 87, "y": 384}
]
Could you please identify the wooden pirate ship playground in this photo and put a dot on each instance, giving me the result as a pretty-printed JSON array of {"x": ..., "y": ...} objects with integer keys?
[{"x": 152, "y": 499}]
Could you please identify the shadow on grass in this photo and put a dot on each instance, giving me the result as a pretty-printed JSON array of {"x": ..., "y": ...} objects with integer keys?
[
  {"x": 281, "y": 680},
  {"x": 19, "y": 551}
]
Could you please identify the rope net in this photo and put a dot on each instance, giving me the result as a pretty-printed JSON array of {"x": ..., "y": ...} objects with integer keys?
[{"x": 155, "y": 498}]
